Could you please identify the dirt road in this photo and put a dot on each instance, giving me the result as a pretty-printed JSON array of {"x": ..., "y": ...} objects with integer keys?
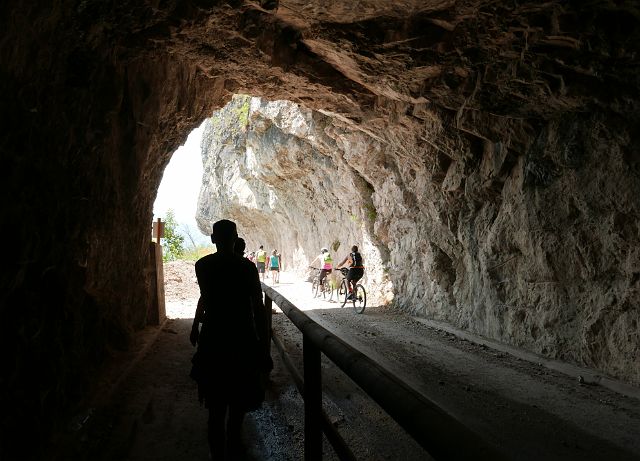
[{"x": 528, "y": 410}]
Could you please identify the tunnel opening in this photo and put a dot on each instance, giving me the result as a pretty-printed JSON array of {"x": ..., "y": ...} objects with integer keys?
[
  {"x": 278, "y": 170},
  {"x": 272, "y": 167},
  {"x": 176, "y": 202}
]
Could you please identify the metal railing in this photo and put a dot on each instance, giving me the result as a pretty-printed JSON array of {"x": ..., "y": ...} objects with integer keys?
[{"x": 438, "y": 432}]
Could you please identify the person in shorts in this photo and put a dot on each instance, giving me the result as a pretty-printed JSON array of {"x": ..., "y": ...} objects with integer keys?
[
  {"x": 231, "y": 330},
  {"x": 261, "y": 261},
  {"x": 326, "y": 264},
  {"x": 274, "y": 266},
  {"x": 356, "y": 268}
]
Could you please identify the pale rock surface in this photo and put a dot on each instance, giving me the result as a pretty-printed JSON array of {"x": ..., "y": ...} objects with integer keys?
[
  {"x": 287, "y": 184},
  {"x": 507, "y": 247}
]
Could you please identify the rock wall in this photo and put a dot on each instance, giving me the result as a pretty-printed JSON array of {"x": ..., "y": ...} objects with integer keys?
[
  {"x": 534, "y": 248},
  {"x": 486, "y": 151},
  {"x": 280, "y": 171}
]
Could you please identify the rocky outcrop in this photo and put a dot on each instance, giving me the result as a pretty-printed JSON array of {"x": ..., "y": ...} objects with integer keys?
[
  {"x": 280, "y": 171},
  {"x": 494, "y": 241},
  {"x": 487, "y": 151}
]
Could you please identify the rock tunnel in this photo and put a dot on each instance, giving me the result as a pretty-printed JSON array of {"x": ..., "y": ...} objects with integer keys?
[{"x": 483, "y": 153}]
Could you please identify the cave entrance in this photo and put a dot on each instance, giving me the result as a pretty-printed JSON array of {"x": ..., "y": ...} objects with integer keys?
[
  {"x": 177, "y": 198},
  {"x": 285, "y": 174},
  {"x": 291, "y": 178}
]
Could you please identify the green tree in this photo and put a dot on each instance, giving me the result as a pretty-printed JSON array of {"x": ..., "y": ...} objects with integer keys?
[{"x": 173, "y": 241}]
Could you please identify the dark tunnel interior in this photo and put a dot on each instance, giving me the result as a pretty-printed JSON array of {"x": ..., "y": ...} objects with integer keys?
[{"x": 485, "y": 151}]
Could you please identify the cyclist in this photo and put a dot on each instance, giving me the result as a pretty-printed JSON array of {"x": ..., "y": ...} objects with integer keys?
[
  {"x": 326, "y": 264},
  {"x": 356, "y": 269},
  {"x": 261, "y": 259}
]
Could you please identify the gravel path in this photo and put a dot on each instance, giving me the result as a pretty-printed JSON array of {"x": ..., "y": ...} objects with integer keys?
[
  {"x": 528, "y": 410},
  {"x": 532, "y": 412}
]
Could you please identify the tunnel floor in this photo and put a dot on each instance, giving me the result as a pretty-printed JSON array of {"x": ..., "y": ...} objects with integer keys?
[{"x": 531, "y": 412}]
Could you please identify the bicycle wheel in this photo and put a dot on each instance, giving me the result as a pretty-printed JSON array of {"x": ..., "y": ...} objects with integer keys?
[
  {"x": 359, "y": 299},
  {"x": 314, "y": 287},
  {"x": 343, "y": 293}
]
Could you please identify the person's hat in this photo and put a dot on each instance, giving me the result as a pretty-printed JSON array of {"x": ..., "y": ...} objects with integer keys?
[{"x": 324, "y": 250}]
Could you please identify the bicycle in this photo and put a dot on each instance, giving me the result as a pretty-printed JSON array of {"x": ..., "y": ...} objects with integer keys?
[
  {"x": 324, "y": 289},
  {"x": 359, "y": 298}
]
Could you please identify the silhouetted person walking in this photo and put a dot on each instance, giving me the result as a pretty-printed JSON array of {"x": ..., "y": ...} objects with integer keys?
[
  {"x": 232, "y": 343},
  {"x": 240, "y": 246}
]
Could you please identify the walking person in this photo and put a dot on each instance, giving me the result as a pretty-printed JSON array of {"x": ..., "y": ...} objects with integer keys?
[
  {"x": 261, "y": 260},
  {"x": 240, "y": 246},
  {"x": 274, "y": 266},
  {"x": 233, "y": 350}
]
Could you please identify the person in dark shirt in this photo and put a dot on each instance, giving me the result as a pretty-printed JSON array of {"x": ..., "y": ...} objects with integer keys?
[
  {"x": 356, "y": 268},
  {"x": 240, "y": 246},
  {"x": 233, "y": 353}
]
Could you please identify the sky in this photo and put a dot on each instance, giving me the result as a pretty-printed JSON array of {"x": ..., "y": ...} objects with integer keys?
[{"x": 180, "y": 186}]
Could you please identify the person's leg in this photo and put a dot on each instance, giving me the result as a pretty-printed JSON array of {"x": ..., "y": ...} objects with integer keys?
[
  {"x": 356, "y": 278},
  {"x": 216, "y": 430},
  {"x": 323, "y": 275},
  {"x": 350, "y": 284},
  {"x": 234, "y": 433}
]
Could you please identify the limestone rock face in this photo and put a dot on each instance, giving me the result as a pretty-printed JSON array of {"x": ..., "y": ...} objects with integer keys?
[
  {"x": 483, "y": 153},
  {"x": 280, "y": 171},
  {"x": 494, "y": 245}
]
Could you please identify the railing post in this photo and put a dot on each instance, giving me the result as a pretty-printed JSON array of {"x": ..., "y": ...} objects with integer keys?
[
  {"x": 268, "y": 305},
  {"x": 312, "y": 401}
]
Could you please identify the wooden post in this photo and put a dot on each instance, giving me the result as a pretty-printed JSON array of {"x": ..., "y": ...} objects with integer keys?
[
  {"x": 157, "y": 313},
  {"x": 312, "y": 401},
  {"x": 159, "y": 230}
]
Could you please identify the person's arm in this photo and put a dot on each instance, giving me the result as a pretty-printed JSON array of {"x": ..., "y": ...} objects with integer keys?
[
  {"x": 197, "y": 320},
  {"x": 314, "y": 260},
  {"x": 200, "y": 310},
  {"x": 199, "y": 316},
  {"x": 342, "y": 262}
]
